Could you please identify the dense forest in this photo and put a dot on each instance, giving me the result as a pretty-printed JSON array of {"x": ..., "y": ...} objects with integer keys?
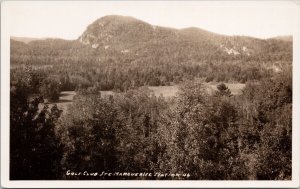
[{"x": 208, "y": 135}]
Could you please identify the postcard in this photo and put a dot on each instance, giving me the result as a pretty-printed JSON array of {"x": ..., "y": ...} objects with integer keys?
[{"x": 150, "y": 94}]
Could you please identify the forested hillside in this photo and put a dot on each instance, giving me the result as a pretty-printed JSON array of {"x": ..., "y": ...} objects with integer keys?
[{"x": 122, "y": 52}]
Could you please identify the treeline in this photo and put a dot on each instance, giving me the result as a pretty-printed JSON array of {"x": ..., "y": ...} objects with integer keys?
[
  {"x": 211, "y": 137},
  {"x": 37, "y": 82},
  {"x": 125, "y": 76}
]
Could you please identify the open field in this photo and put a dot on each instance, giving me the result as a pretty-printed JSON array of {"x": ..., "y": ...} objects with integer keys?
[
  {"x": 66, "y": 97},
  {"x": 165, "y": 91}
]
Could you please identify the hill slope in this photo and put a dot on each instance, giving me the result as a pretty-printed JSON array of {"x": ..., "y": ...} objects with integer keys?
[{"x": 121, "y": 38}]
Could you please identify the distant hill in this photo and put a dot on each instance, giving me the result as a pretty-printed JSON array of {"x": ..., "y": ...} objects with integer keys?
[
  {"x": 127, "y": 34},
  {"x": 120, "y": 38},
  {"x": 26, "y": 39}
]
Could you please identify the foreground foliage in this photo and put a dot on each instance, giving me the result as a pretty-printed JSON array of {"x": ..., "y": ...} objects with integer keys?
[{"x": 210, "y": 136}]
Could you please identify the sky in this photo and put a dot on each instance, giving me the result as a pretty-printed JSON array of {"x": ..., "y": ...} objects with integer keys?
[{"x": 68, "y": 20}]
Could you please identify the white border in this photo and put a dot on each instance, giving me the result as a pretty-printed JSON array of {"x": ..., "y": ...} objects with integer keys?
[{"x": 5, "y": 182}]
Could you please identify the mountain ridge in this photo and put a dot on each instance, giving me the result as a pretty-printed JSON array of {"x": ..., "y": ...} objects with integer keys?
[{"x": 118, "y": 37}]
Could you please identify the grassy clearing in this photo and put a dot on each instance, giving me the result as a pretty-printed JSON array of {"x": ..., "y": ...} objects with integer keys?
[
  {"x": 165, "y": 91},
  {"x": 171, "y": 91},
  {"x": 66, "y": 97}
]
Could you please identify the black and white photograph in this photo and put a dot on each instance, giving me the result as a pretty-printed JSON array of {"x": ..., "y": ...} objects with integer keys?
[{"x": 141, "y": 92}]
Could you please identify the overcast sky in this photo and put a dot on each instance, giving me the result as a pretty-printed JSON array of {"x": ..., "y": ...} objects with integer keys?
[{"x": 68, "y": 20}]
